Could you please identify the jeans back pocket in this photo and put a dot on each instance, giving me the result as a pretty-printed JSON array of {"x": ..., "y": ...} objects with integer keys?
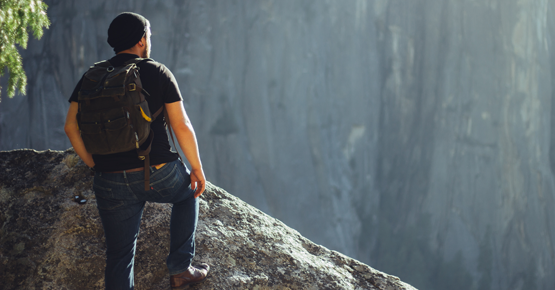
[{"x": 166, "y": 185}]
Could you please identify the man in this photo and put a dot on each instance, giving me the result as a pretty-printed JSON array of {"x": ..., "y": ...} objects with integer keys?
[{"x": 119, "y": 178}]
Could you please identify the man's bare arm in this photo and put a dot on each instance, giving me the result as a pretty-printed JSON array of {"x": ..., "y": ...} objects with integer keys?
[
  {"x": 187, "y": 140},
  {"x": 72, "y": 132}
]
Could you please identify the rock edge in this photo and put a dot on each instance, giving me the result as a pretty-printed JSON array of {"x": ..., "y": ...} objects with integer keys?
[{"x": 48, "y": 241}]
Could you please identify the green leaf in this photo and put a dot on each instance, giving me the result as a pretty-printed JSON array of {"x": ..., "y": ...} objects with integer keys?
[{"x": 17, "y": 18}]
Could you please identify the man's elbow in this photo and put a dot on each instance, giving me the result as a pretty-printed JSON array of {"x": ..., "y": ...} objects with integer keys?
[
  {"x": 70, "y": 129},
  {"x": 184, "y": 125}
]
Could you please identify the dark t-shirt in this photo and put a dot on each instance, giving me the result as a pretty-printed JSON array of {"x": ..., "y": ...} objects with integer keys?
[{"x": 160, "y": 83}]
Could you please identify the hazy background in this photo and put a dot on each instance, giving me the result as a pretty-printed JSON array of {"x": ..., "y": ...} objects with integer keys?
[{"x": 415, "y": 136}]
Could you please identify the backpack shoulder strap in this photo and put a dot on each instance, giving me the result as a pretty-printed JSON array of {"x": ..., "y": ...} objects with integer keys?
[
  {"x": 146, "y": 152},
  {"x": 103, "y": 63},
  {"x": 98, "y": 65},
  {"x": 137, "y": 60}
]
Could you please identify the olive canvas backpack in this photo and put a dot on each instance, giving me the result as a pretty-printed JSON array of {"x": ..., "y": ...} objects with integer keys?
[{"x": 113, "y": 113}]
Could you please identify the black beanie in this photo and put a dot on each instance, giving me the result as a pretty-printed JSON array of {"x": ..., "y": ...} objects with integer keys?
[{"x": 126, "y": 30}]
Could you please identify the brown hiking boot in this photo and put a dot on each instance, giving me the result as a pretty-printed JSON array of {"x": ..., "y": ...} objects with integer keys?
[{"x": 193, "y": 275}]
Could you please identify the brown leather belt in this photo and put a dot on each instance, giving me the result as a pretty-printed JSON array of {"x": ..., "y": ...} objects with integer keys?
[{"x": 137, "y": 169}]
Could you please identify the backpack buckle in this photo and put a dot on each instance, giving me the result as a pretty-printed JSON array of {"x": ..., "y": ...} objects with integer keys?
[{"x": 132, "y": 87}]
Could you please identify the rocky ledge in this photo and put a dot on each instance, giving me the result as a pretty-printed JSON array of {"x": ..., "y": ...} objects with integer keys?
[{"x": 48, "y": 241}]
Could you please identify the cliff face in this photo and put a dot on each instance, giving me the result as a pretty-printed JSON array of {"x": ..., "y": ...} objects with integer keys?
[
  {"x": 413, "y": 135},
  {"x": 49, "y": 242}
]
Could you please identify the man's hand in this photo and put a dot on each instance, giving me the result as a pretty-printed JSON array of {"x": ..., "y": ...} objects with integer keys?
[
  {"x": 72, "y": 131},
  {"x": 198, "y": 182},
  {"x": 187, "y": 140}
]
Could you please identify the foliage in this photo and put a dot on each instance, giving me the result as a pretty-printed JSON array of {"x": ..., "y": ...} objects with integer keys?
[{"x": 15, "y": 18}]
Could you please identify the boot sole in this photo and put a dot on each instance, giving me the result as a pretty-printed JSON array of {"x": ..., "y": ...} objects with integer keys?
[{"x": 183, "y": 287}]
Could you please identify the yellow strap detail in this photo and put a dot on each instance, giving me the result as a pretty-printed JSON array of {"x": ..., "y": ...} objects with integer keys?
[{"x": 145, "y": 116}]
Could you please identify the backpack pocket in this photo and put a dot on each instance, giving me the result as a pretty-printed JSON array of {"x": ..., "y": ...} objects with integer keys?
[{"x": 112, "y": 136}]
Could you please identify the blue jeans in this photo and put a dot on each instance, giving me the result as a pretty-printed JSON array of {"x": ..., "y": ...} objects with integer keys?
[{"x": 120, "y": 199}]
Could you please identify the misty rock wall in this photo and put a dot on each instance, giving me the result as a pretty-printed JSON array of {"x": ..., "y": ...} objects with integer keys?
[{"x": 389, "y": 130}]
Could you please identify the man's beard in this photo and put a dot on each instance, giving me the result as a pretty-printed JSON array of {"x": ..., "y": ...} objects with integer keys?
[{"x": 146, "y": 52}]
